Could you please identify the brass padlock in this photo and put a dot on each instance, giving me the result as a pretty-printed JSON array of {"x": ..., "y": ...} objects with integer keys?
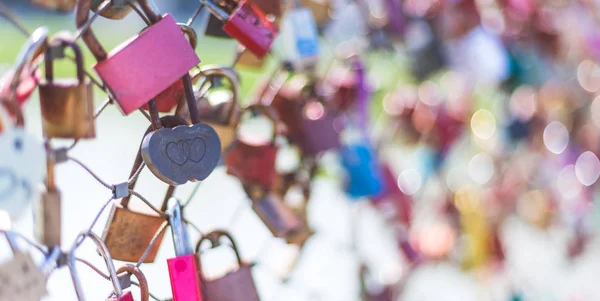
[
  {"x": 249, "y": 60},
  {"x": 48, "y": 217},
  {"x": 57, "y": 5},
  {"x": 128, "y": 233},
  {"x": 236, "y": 285},
  {"x": 67, "y": 104},
  {"x": 225, "y": 114}
]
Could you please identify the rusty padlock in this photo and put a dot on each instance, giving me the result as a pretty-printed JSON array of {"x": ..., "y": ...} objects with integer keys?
[
  {"x": 103, "y": 250},
  {"x": 246, "y": 23},
  {"x": 128, "y": 233},
  {"x": 277, "y": 216},
  {"x": 251, "y": 163},
  {"x": 220, "y": 108},
  {"x": 67, "y": 105},
  {"x": 116, "y": 9},
  {"x": 142, "y": 67},
  {"x": 48, "y": 217},
  {"x": 237, "y": 285}
]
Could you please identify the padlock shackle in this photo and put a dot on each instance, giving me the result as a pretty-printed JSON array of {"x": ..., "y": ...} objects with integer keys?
[
  {"x": 143, "y": 283},
  {"x": 259, "y": 109},
  {"x": 112, "y": 272},
  {"x": 82, "y": 17},
  {"x": 190, "y": 33},
  {"x": 214, "y": 237},
  {"x": 208, "y": 71},
  {"x": 178, "y": 229},
  {"x": 13, "y": 108},
  {"x": 29, "y": 51},
  {"x": 49, "y": 59},
  {"x": 167, "y": 122},
  {"x": 220, "y": 12}
]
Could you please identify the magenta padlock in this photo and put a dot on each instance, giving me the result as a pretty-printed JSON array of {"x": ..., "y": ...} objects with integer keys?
[
  {"x": 183, "y": 269},
  {"x": 143, "y": 66},
  {"x": 246, "y": 23}
]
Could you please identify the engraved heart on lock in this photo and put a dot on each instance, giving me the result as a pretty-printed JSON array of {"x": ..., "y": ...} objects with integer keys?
[{"x": 183, "y": 153}]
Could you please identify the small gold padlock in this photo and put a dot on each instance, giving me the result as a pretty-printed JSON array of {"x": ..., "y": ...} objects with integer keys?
[
  {"x": 67, "y": 104},
  {"x": 249, "y": 60},
  {"x": 49, "y": 210},
  {"x": 221, "y": 114}
]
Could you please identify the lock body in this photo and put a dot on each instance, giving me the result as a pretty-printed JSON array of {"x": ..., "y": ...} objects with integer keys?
[
  {"x": 147, "y": 64},
  {"x": 362, "y": 166},
  {"x": 58, "y": 5},
  {"x": 183, "y": 272},
  {"x": 279, "y": 218},
  {"x": 306, "y": 35},
  {"x": 67, "y": 109},
  {"x": 253, "y": 164},
  {"x": 249, "y": 26},
  {"x": 113, "y": 11},
  {"x": 127, "y": 296},
  {"x": 241, "y": 279},
  {"x": 49, "y": 218},
  {"x": 128, "y": 234}
]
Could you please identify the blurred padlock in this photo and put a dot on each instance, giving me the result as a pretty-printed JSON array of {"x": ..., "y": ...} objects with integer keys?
[
  {"x": 254, "y": 164},
  {"x": 67, "y": 104},
  {"x": 128, "y": 233},
  {"x": 277, "y": 216},
  {"x": 116, "y": 9},
  {"x": 48, "y": 217},
  {"x": 246, "y": 23},
  {"x": 142, "y": 67},
  {"x": 103, "y": 251},
  {"x": 183, "y": 269},
  {"x": 57, "y": 5},
  {"x": 322, "y": 10},
  {"x": 237, "y": 285},
  {"x": 364, "y": 177},
  {"x": 306, "y": 36}
]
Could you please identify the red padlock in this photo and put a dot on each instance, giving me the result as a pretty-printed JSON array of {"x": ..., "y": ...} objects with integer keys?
[
  {"x": 246, "y": 23},
  {"x": 142, "y": 67},
  {"x": 255, "y": 164}
]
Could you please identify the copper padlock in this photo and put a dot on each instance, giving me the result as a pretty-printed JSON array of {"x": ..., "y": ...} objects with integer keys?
[
  {"x": 277, "y": 216},
  {"x": 255, "y": 164},
  {"x": 67, "y": 105},
  {"x": 128, "y": 233},
  {"x": 223, "y": 117},
  {"x": 48, "y": 217},
  {"x": 237, "y": 285}
]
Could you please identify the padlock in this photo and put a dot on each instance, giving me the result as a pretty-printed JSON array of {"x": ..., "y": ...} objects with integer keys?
[
  {"x": 183, "y": 269},
  {"x": 276, "y": 215},
  {"x": 237, "y": 285},
  {"x": 20, "y": 278},
  {"x": 67, "y": 105},
  {"x": 255, "y": 164},
  {"x": 142, "y": 67},
  {"x": 249, "y": 60},
  {"x": 272, "y": 8},
  {"x": 169, "y": 98},
  {"x": 321, "y": 9},
  {"x": 224, "y": 116},
  {"x": 364, "y": 177},
  {"x": 128, "y": 233},
  {"x": 116, "y": 9},
  {"x": 126, "y": 279},
  {"x": 21, "y": 162},
  {"x": 103, "y": 250},
  {"x": 57, "y": 5},
  {"x": 48, "y": 217},
  {"x": 309, "y": 119},
  {"x": 246, "y": 23},
  {"x": 183, "y": 153},
  {"x": 306, "y": 35},
  {"x": 20, "y": 82}
]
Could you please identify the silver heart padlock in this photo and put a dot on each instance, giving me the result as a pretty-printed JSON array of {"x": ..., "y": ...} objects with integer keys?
[{"x": 182, "y": 154}]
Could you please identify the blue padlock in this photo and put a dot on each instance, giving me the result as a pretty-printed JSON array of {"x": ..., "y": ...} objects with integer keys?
[
  {"x": 305, "y": 32},
  {"x": 364, "y": 176}
]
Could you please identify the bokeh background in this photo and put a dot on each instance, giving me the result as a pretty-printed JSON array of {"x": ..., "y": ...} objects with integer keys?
[{"x": 486, "y": 114}]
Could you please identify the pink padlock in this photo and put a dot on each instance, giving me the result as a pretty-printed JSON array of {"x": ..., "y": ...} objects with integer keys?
[
  {"x": 246, "y": 23},
  {"x": 183, "y": 269},
  {"x": 140, "y": 68}
]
